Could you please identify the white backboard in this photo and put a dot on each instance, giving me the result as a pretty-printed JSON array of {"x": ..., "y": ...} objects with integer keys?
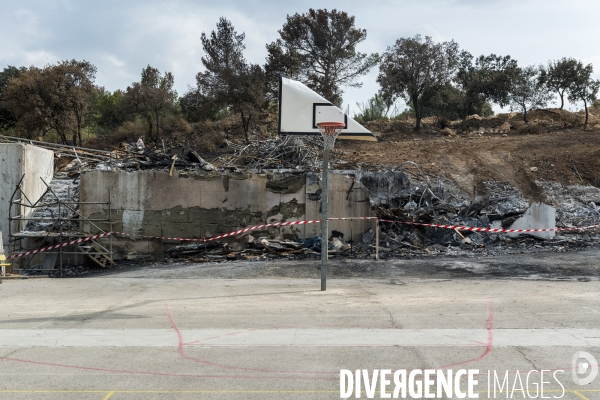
[{"x": 300, "y": 109}]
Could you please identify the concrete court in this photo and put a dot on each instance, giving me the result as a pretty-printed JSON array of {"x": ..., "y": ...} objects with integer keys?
[{"x": 109, "y": 337}]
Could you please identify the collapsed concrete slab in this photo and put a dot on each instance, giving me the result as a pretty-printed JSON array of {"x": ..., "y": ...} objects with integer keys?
[
  {"x": 537, "y": 216},
  {"x": 25, "y": 161}
]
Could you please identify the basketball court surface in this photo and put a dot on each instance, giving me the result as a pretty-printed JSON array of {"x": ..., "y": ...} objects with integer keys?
[{"x": 119, "y": 336}]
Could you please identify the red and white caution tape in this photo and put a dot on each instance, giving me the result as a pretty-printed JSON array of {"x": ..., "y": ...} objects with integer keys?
[
  {"x": 492, "y": 230},
  {"x": 56, "y": 246},
  {"x": 252, "y": 228},
  {"x": 305, "y": 222}
]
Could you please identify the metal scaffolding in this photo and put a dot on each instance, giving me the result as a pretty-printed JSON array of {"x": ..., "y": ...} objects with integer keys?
[{"x": 65, "y": 225}]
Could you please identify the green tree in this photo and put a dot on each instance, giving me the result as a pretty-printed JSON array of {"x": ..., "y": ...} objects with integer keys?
[
  {"x": 7, "y": 120},
  {"x": 197, "y": 107},
  {"x": 281, "y": 61},
  {"x": 74, "y": 84},
  {"x": 416, "y": 70},
  {"x": 319, "y": 48},
  {"x": 584, "y": 88},
  {"x": 452, "y": 103},
  {"x": 560, "y": 75},
  {"x": 229, "y": 81},
  {"x": 485, "y": 79},
  {"x": 528, "y": 91},
  {"x": 151, "y": 98},
  {"x": 105, "y": 110},
  {"x": 375, "y": 108},
  {"x": 54, "y": 98}
]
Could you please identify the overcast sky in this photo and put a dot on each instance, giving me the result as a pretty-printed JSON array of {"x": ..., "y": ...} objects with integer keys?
[{"x": 122, "y": 37}]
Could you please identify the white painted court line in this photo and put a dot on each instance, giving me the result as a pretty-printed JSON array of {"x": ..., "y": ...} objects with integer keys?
[{"x": 297, "y": 337}]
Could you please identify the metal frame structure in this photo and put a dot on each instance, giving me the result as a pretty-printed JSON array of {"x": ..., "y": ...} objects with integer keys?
[{"x": 67, "y": 213}]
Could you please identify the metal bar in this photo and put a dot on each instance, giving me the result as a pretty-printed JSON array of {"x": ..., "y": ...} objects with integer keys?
[
  {"x": 53, "y": 204},
  {"x": 324, "y": 230},
  {"x": 47, "y": 234},
  {"x": 377, "y": 239},
  {"x": 66, "y": 147},
  {"x": 60, "y": 253},
  {"x": 64, "y": 219},
  {"x": 67, "y": 252},
  {"x": 110, "y": 222},
  {"x": 32, "y": 269},
  {"x": 12, "y": 197},
  {"x": 84, "y": 202}
]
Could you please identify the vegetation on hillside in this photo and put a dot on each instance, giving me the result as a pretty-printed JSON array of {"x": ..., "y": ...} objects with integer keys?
[{"x": 61, "y": 102}]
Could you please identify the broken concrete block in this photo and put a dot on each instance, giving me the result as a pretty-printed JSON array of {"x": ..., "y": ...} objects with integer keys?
[{"x": 537, "y": 216}]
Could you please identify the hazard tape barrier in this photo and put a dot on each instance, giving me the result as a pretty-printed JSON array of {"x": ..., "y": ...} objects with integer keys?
[
  {"x": 252, "y": 228},
  {"x": 56, "y": 246},
  {"x": 305, "y": 222},
  {"x": 492, "y": 230}
]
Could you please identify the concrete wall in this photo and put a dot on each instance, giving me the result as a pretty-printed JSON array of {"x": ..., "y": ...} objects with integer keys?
[
  {"x": 16, "y": 160},
  {"x": 206, "y": 204}
]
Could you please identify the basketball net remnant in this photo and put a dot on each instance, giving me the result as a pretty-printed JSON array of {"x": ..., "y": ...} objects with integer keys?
[{"x": 330, "y": 131}]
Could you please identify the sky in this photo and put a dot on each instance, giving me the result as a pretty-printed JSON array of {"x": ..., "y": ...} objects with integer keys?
[{"x": 122, "y": 37}]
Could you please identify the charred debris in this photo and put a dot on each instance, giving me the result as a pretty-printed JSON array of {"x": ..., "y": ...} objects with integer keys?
[{"x": 409, "y": 196}]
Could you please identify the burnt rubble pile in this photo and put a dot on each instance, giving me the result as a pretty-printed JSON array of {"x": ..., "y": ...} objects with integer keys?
[
  {"x": 407, "y": 195},
  {"x": 281, "y": 152},
  {"x": 289, "y": 152},
  {"x": 133, "y": 157},
  {"x": 499, "y": 207},
  {"x": 245, "y": 247}
]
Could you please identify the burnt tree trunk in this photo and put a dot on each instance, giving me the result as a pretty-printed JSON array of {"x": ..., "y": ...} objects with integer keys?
[
  {"x": 246, "y": 125},
  {"x": 586, "y": 114},
  {"x": 149, "y": 120},
  {"x": 562, "y": 99},
  {"x": 157, "y": 125},
  {"x": 418, "y": 113},
  {"x": 63, "y": 137}
]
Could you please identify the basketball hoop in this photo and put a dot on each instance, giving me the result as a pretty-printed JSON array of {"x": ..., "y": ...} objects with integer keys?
[{"x": 329, "y": 132}]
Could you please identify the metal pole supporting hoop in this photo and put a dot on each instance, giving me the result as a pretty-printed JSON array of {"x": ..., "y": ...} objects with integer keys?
[{"x": 329, "y": 131}]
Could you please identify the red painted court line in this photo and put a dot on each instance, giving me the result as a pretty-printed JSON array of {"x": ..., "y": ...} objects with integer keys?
[
  {"x": 489, "y": 345},
  {"x": 180, "y": 348},
  {"x": 275, "y": 374}
]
